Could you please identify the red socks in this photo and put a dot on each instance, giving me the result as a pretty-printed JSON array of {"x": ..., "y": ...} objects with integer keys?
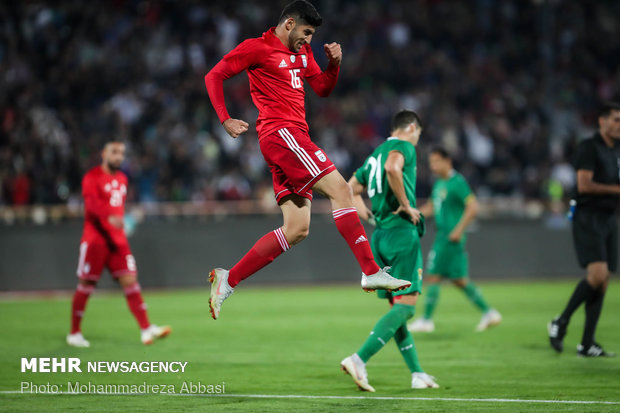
[
  {"x": 266, "y": 249},
  {"x": 134, "y": 300},
  {"x": 270, "y": 246},
  {"x": 136, "y": 304},
  {"x": 82, "y": 292},
  {"x": 352, "y": 230}
]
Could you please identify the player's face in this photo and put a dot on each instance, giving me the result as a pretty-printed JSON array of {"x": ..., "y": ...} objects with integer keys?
[
  {"x": 610, "y": 125},
  {"x": 299, "y": 35},
  {"x": 437, "y": 164},
  {"x": 113, "y": 155}
]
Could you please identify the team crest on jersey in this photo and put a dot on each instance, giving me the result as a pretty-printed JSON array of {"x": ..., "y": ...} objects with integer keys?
[
  {"x": 304, "y": 60},
  {"x": 292, "y": 58},
  {"x": 319, "y": 154}
]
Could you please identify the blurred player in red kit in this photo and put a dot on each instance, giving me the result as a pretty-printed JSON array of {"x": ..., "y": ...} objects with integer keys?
[
  {"x": 104, "y": 244},
  {"x": 277, "y": 64}
]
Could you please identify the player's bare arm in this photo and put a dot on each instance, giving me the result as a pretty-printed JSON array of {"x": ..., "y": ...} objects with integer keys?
[
  {"x": 394, "y": 170},
  {"x": 116, "y": 221},
  {"x": 235, "y": 127},
  {"x": 427, "y": 209},
  {"x": 333, "y": 51},
  {"x": 470, "y": 212},
  {"x": 358, "y": 202},
  {"x": 587, "y": 185}
]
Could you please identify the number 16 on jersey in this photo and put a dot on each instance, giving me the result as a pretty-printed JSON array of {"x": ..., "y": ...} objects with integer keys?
[{"x": 295, "y": 80}]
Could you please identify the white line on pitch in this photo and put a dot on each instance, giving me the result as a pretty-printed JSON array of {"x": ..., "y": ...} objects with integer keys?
[{"x": 304, "y": 396}]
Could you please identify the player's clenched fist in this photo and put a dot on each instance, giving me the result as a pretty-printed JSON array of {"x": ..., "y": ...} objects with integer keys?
[
  {"x": 235, "y": 127},
  {"x": 333, "y": 52}
]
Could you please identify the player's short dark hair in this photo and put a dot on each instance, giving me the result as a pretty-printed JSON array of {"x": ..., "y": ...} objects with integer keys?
[
  {"x": 112, "y": 139},
  {"x": 403, "y": 118},
  {"x": 303, "y": 12},
  {"x": 438, "y": 150},
  {"x": 607, "y": 108}
]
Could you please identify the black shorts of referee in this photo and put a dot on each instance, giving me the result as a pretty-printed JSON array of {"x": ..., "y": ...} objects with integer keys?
[{"x": 595, "y": 234}]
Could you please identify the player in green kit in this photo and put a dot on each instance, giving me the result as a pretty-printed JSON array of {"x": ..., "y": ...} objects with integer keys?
[
  {"x": 454, "y": 206},
  {"x": 389, "y": 176}
]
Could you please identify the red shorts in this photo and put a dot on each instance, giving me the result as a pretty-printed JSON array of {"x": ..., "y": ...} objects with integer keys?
[
  {"x": 95, "y": 256},
  {"x": 296, "y": 163}
]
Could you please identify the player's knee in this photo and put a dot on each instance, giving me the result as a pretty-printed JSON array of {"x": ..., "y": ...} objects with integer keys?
[
  {"x": 409, "y": 300},
  {"x": 341, "y": 193},
  {"x": 87, "y": 283},
  {"x": 460, "y": 282},
  {"x": 598, "y": 273},
  {"x": 127, "y": 280},
  {"x": 298, "y": 234},
  {"x": 346, "y": 191}
]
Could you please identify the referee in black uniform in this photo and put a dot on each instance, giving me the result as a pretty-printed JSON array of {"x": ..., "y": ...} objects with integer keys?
[{"x": 595, "y": 231}]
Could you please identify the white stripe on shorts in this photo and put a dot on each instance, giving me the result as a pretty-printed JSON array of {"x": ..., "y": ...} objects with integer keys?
[{"x": 300, "y": 152}]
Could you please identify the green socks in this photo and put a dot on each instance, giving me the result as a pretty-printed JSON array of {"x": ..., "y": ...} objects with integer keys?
[
  {"x": 430, "y": 301},
  {"x": 471, "y": 291},
  {"x": 385, "y": 329},
  {"x": 405, "y": 344},
  {"x": 475, "y": 296}
]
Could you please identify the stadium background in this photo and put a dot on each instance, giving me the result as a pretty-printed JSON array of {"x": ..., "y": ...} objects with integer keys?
[{"x": 508, "y": 87}]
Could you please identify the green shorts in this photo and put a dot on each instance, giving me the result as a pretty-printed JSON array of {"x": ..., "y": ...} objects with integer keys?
[
  {"x": 400, "y": 249},
  {"x": 448, "y": 259}
]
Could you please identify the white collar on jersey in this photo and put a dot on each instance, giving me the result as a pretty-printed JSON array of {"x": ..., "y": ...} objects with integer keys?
[{"x": 391, "y": 138}]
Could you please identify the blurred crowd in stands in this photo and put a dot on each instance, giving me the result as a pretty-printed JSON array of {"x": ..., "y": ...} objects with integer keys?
[{"x": 508, "y": 87}]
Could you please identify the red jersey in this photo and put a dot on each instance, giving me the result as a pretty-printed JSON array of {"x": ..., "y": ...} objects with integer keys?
[
  {"x": 276, "y": 81},
  {"x": 104, "y": 195}
]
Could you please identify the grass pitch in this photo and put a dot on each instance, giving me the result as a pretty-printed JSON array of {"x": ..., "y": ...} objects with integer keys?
[{"x": 289, "y": 342}]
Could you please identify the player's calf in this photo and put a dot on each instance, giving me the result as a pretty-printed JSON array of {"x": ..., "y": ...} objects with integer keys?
[
  {"x": 135, "y": 302},
  {"x": 78, "y": 305}
]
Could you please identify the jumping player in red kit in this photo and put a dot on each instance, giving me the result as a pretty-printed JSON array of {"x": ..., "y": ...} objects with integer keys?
[
  {"x": 277, "y": 64},
  {"x": 104, "y": 244}
]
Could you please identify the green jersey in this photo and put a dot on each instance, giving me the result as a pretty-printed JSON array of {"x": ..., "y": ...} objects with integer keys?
[
  {"x": 449, "y": 197},
  {"x": 372, "y": 175}
]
